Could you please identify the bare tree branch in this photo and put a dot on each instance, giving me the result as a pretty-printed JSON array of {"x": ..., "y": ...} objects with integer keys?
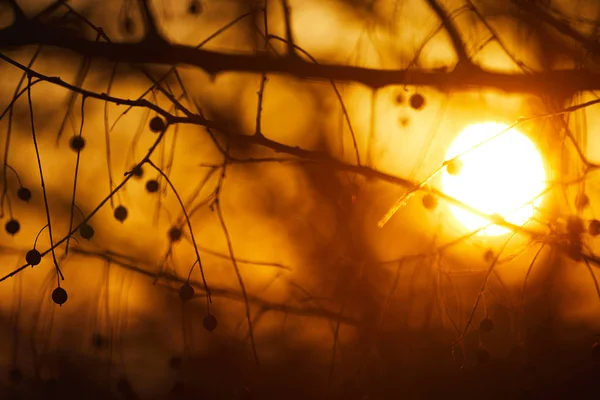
[
  {"x": 473, "y": 77},
  {"x": 561, "y": 26},
  {"x": 452, "y": 30}
]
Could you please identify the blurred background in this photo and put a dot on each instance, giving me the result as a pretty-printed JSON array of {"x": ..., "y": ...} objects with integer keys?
[{"x": 320, "y": 302}]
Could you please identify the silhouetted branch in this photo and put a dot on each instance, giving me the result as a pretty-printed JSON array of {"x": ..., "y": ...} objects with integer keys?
[
  {"x": 561, "y": 26},
  {"x": 220, "y": 292},
  {"x": 452, "y": 30},
  {"x": 19, "y": 15},
  {"x": 291, "y": 50},
  {"x": 473, "y": 77}
]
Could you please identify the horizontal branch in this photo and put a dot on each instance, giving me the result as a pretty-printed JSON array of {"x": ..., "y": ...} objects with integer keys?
[
  {"x": 307, "y": 311},
  {"x": 467, "y": 77},
  {"x": 260, "y": 140}
]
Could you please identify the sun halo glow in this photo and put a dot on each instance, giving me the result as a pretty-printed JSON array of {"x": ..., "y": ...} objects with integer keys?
[{"x": 501, "y": 176}]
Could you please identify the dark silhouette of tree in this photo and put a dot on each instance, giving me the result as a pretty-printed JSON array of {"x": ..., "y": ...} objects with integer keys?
[{"x": 216, "y": 199}]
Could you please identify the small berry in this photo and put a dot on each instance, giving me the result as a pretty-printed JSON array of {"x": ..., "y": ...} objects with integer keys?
[
  {"x": 581, "y": 201},
  {"x": 483, "y": 356},
  {"x": 486, "y": 325},
  {"x": 575, "y": 225},
  {"x": 417, "y": 101},
  {"x": 86, "y": 231},
  {"x": 488, "y": 256},
  {"x": 15, "y": 376},
  {"x": 12, "y": 227},
  {"x": 210, "y": 322},
  {"x": 128, "y": 25},
  {"x": 59, "y": 296},
  {"x": 174, "y": 234},
  {"x": 99, "y": 341},
  {"x": 429, "y": 201},
  {"x": 454, "y": 166},
  {"x": 399, "y": 98},
  {"x": 152, "y": 186},
  {"x": 120, "y": 213},
  {"x": 594, "y": 227},
  {"x": 157, "y": 125},
  {"x": 186, "y": 292},
  {"x": 596, "y": 351},
  {"x": 137, "y": 171},
  {"x": 24, "y": 194},
  {"x": 195, "y": 7},
  {"x": 33, "y": 257},
  {"x": 77, "y": 143}
]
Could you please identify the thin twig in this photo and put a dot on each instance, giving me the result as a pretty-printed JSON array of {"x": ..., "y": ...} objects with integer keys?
[{"x": 40, "y": 169}]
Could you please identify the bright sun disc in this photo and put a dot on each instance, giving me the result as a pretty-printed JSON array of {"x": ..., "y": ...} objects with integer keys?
[{"x": 501, "y": 176}]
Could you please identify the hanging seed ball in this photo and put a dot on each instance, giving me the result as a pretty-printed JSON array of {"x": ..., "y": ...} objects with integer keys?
[
  {"x": 581, "y": 201},
  {"x": 429, "y": 201},
  {"x": 399, "y": 98},
  {"x": 210, "y": 322},
  {"x": 77, "y": 143},
  {"x": 128, "y": 25},
  {"x": 86, "y": 231},
  {"x": 486, "y": 325},
  {"x": 575, "y": 225},
  {"x": 120, "y": 213},
  {"x": 488, "y": 256},
  {"x": 195, "y": 7},
  {"x": 417, "y": 101},
  {"x": 596, "y": 351},
  {"x": 186, "y": 292},
  {"x": 59, "y": 296},
  {"x": 152, "y": 186},
  {"x": 454, "y": 166},
  {"x": 24, "y": 194},
  {"x": 594, "y": 227},
  {"x": 174, "y": 234},
  {"x": 157, "y": 125},
  {"x": 483, "y": 356},
  {"x": 12, "y": 227},
  {"x": 137, "y": 171},
  {"x": 15, "y": 375},
  {"x": 33, "y": 257},
  {"x": 99, "y": 341}
]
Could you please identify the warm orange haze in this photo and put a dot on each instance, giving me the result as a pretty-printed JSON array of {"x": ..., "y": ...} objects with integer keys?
[{"x": 299, "y": 199}]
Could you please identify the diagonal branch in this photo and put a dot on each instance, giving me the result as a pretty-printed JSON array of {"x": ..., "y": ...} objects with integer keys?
[
  {"x": 19, "y": 14},
  {"x": 452, "y": 30},
  {"x": 561, "y": 26}
]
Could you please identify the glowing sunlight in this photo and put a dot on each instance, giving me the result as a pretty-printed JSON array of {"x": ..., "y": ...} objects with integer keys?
[{"x": 498, "y": 175}]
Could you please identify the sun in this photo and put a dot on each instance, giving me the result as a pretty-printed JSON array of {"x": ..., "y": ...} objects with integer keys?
[{"x": 501, "y": 173}]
